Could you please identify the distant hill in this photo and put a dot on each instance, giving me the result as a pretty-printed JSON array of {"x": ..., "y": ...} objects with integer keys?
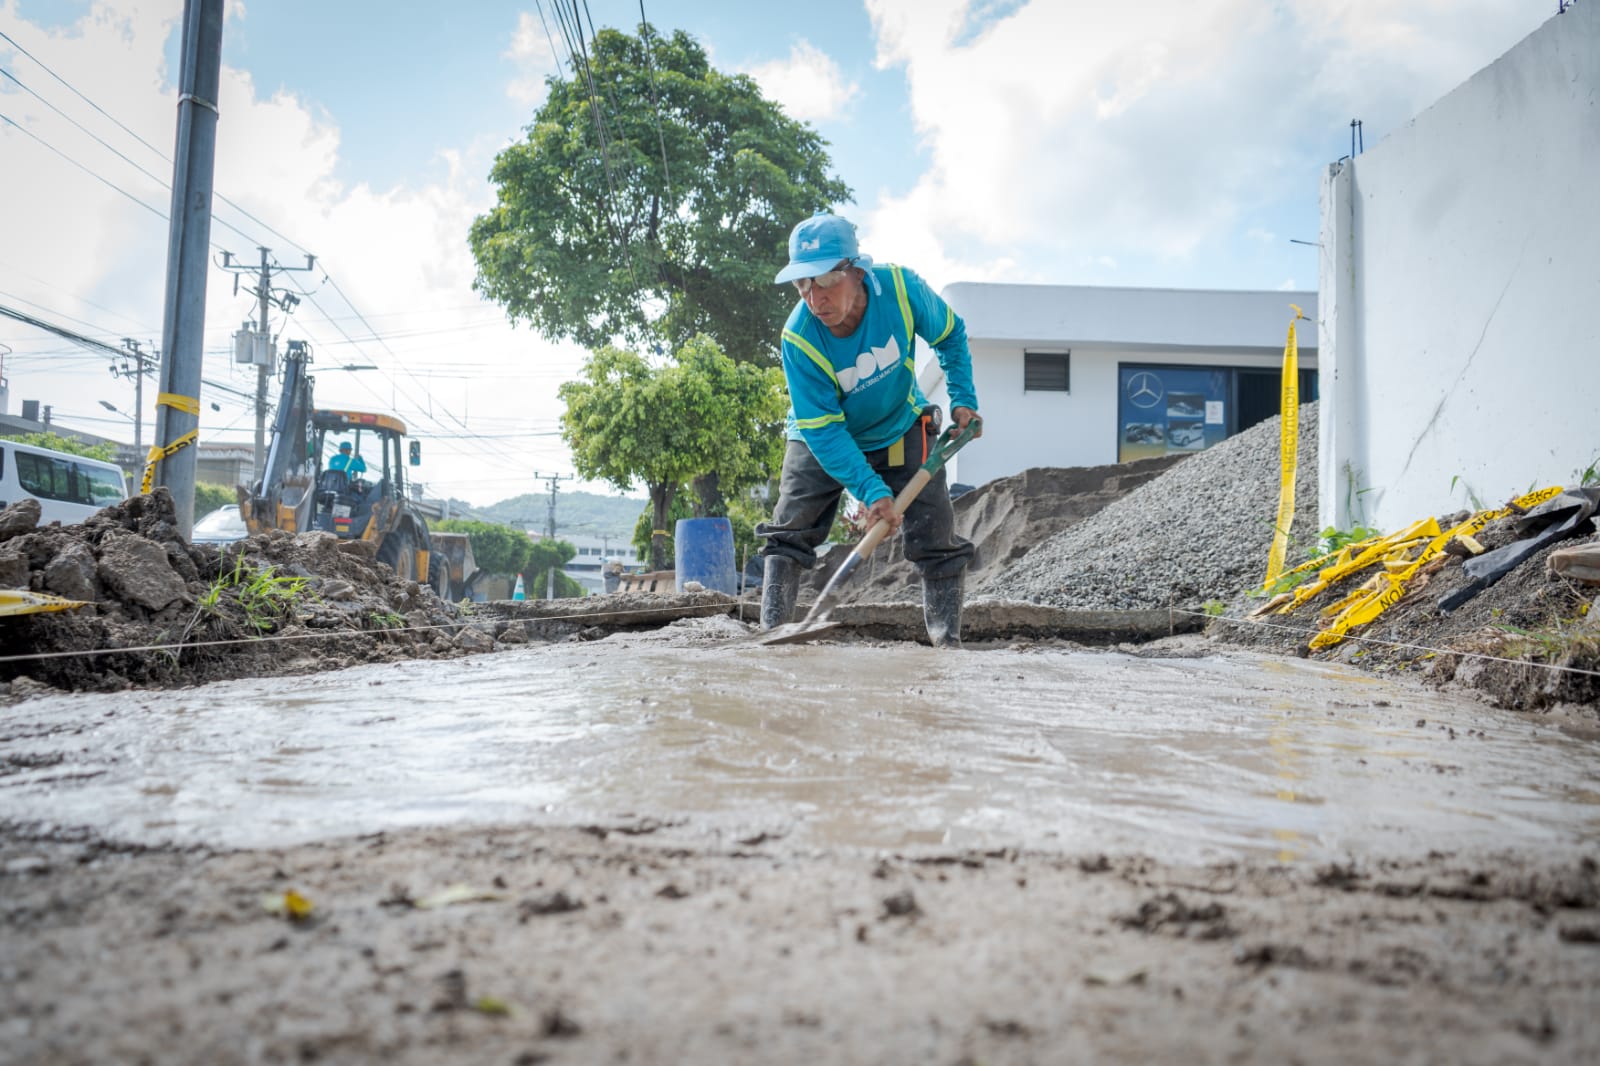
[{"x": 581, "y": 514}]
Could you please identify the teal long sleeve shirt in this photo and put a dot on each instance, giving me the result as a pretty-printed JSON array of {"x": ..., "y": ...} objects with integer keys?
[{"x": 856, "y": 394}]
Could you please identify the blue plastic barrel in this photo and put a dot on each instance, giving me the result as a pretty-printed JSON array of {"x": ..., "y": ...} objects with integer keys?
[{"x": 704, "y": 553}]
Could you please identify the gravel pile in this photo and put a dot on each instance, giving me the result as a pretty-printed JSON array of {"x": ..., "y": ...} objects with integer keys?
[{"x": 1201, "y": 531}]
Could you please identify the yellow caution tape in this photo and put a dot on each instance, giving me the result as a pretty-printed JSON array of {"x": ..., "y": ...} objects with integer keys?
[
  {"x": 21, "y": 601},
  {"x": 158, "y": 453},
  {"x": 1288, "y": 451},
  {"x": 1391, "y": 588},
  {"x": 189, "y": 405},
  {"x": 1372, "y": 550}
]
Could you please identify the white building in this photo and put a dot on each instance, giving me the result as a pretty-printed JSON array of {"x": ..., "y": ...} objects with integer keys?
[
  {"x": 1073, "y": 375},
  {"x": 1459, "y": 276},
  {"x": 587, "y": 567}
]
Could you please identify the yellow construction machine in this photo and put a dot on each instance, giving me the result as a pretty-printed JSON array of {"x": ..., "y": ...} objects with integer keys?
[{"x": 309, "y": 484}]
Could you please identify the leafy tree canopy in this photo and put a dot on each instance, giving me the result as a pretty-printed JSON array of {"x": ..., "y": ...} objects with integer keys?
[
  {"x": 652, "y": 201},
  {"x": 627, "y": 422},
  {"x": 71, "y": 445}
]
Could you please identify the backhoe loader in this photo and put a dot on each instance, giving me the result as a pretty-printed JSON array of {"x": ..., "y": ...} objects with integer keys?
[{"x": 301, "y": 491}]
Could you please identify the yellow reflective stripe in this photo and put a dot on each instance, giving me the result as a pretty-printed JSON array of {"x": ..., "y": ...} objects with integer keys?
[
  {"x": 905, "y": 307},
  {"x": 812, "y": 354},
  {"x": 949, "y": 323},
  {"x": 187, "y": 404},
  {"x": 817, "y": 423}
]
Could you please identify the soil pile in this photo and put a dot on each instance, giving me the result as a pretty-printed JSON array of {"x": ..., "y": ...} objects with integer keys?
[
  {"x": 161, "y": 611},
  {"x": 1005, "y": 518},
  {"x": 1528, "y": 641}
]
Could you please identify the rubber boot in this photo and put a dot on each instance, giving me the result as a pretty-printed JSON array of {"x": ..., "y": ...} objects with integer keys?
[
  {"x": 941, "y": 609},
  {"x": 780, "y": 585}
]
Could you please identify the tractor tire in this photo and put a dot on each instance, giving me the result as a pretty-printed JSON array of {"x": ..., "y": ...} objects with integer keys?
[
  {"x": 399, "y": 550},
  {"x": 439, "y": 578}
]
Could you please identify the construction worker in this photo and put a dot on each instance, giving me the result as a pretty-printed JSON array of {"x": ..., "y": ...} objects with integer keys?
[
  {"x": 352, "y": 465},
  {"x": 859, "y": 421}
]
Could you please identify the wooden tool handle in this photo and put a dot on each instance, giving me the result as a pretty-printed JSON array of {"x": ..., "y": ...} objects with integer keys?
[{"x": 880, "y": 529}]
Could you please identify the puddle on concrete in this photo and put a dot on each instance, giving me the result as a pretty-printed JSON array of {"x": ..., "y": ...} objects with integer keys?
[{"x": 820, "y": 746}]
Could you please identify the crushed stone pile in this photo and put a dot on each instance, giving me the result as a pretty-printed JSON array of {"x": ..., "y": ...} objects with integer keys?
[
  {"x": 1199, "y": 532},
  {"x": 1005, "y": 518},
  {"x": 209, "y": 613}
]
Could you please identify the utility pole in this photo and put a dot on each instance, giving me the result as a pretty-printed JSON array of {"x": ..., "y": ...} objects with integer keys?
[
  {"x": 188, "y": 242},
  {"x": 142, "y": 364},
  {"x": 256, "y": 346},
  {"x": 550, "y": 525}
]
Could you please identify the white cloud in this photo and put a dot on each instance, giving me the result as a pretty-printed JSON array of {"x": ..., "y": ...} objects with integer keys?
[
  {"x": 808, "y": 83},
  {"x": 1059, "y": 134},
  {"x": 530, "y": 50},
  {"x": 78, "y": 249}
]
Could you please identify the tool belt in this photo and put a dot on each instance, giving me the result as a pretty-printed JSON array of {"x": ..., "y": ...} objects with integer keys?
[{"x": 912, "y": 448}]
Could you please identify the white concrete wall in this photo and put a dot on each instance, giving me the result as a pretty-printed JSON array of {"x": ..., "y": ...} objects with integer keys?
[{"x": 1460, "y": 279}]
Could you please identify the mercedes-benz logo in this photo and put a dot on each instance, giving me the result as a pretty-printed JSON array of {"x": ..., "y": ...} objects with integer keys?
[{"x": 1144, "y": 389}]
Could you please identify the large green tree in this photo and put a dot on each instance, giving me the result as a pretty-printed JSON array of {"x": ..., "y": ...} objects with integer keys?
[
  {"x": 651, "y": 201},
  {"x": 699, "y": 414}
]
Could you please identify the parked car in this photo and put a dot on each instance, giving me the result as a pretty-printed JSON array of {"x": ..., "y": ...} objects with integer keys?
[{"x": 222, "y": 526}]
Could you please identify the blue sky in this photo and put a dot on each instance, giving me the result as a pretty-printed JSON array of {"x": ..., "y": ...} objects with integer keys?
[{"x": 1173, "y": 143}]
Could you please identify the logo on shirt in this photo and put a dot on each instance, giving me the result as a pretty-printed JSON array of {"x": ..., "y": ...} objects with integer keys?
[{"x": 870, "y": 366}]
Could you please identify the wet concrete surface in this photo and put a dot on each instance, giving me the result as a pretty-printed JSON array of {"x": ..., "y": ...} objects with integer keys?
[{"x": 819, "y": 746}]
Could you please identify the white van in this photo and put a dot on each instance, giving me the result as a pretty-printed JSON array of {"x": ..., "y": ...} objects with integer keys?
[{"x": 69, "y": 488}]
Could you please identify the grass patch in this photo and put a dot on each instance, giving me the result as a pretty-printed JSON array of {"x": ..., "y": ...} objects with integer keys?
[
  {"x": 258, "y": 599},
  {"x": 1559, "y": 642}
]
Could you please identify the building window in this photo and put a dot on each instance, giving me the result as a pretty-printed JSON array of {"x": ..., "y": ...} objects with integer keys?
[{"x": 1046, "y": 371}]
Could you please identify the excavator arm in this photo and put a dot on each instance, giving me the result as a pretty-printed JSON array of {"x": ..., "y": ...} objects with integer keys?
[{"x": 282, "y": 499}]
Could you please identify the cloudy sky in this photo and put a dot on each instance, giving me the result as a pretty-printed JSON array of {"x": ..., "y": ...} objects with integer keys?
[{"x": 1172, "y": 143}]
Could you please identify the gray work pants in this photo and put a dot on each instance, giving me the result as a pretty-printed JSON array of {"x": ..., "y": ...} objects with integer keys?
[{"x": 808, "y": 501}]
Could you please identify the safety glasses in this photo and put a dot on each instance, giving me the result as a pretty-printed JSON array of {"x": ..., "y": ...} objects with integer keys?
[{"x": 825, "y": 281}]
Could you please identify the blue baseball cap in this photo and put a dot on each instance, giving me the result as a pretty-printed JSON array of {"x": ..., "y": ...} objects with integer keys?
[{"x": 818, "y": 244}]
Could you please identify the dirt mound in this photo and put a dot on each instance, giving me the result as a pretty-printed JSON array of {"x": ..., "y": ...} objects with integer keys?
[
  {"x": 1528, "y": 641},
  {"x": 161, "y": 611},
  {"x": 1006, "y": 518}
]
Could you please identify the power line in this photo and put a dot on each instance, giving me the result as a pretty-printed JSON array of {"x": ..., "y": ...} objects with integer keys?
[
  {"x": 104, "y": 181},
  {"x": 90, "y": 343},
  {"x": 655, "y": 101},
  {"x": 124, "y": 127},
  {"x": 584, "y": 69},
  {"x": 162, "y": 215},
  {"x": 108, "y": 183},
  {"x": 423, "y": 409}
]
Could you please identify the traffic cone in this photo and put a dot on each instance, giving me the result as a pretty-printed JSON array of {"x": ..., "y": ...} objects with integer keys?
[{"x": 519, "y": 593}]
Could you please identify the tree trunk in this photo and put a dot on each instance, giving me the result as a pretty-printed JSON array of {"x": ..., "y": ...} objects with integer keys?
[
  {"x": 661, "y": 506},
  {"x": 708, "y": 496}
]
